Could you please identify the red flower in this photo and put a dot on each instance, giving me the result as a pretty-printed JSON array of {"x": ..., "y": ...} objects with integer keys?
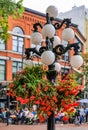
[
  {"x": 43, "y": 108},
  {"x": 46, "y": 88},
  {"x": 65, "y": 118},
  {"x": 8, "y": 93},
  {"x": 61, "y": 89},
  {"x": 42, "y": 102},
  {"x": 38, "y": 90},
  {"x": 72, "y": 110},
  {"x": 41, "y": 118},
  {"x": 76, "y": 104},
  {"x": 48, "y": 108},
  {"x": 66, "y": 93},
  {"x": 73, "y": 92},
  {"x": 37, "y": 102},
  {"x": 55, "y": 99},
  {"x": 18, "y": 98},
  {"x": 26, "y": 100},
  {"x": 49, "y": 113},
  {"x": 32, "y": 98},
  {"x": 11, "y": 85}
]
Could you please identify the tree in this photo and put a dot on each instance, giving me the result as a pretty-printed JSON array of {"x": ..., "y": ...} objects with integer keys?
[
  {"x": 85, "y": 68},
  {"x": 8, "y": 8},
  {"x": 84, "y": 74}
]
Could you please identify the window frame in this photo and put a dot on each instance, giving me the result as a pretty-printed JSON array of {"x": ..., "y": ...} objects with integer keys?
[
  {"x": 17, "y": 41},
  {"x": 4, "y": 70},
  {"x": 16, "y": 64}
]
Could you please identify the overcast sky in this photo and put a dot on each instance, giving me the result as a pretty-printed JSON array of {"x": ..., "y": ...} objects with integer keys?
[{"x": 62, "y": 5}]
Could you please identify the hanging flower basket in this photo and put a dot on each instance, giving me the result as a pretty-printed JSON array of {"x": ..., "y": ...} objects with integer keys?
[{"x": 30, "y": 86}]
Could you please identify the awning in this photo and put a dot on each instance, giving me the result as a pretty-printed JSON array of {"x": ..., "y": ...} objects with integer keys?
[{"x": 82, "y": 101}]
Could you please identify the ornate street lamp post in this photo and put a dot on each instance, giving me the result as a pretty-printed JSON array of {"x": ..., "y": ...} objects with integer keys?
[{"x": 53, "y": 48}]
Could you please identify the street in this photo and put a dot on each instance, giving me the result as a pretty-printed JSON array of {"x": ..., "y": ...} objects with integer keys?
[{"x": 43, "y": 127}]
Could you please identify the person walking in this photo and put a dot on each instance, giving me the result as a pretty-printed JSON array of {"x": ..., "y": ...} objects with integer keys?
[
  {"x": 82, "y": 114},
  {"x": 86, "y": 112},
  {"x": 7, "y": 116}
]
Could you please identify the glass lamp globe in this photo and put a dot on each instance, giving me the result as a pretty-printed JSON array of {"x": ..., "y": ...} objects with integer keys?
[
  {"x": 38, "y": 47},
  {"x": 48, "y": 31},
  {"x": 47, "y": 57},
  {"x": 28, "y": 63},
  {"x": 36, "y": 38},
  {"x": 52, "y": 11},
  {"x": 57, "y": 66},
  {"x": 76, "y": 61},
  {"x": 56, "y": 41},
  {"x": 68, "y": 34}
]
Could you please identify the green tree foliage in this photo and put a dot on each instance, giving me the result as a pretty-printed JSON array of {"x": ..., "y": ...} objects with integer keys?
[
  {"x": 84, "y": 74},
  {"x": 8, "y": 8},
  {"x": 85, "y": 68},
  {"x": 85, "y": 71}
]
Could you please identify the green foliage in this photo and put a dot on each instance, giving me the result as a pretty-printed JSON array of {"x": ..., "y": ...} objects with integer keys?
[
  {"x": 85, "y": 68},
  {"x": 78, "y": 77},
  {"x": 8, "y": 8},
  {"x": 30, "y": 77},
  {"x": 84, "y": 74}
]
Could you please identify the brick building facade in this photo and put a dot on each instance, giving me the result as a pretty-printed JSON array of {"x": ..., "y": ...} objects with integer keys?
[{"x": 11, "y": 53}]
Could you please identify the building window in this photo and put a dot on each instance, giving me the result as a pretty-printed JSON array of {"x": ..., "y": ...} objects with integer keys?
[
  {"x": 2, "y": 70},
  {"x": 79, "y": 42},
  {"x": 17, "y": 41},
  {"x": 2, "y": 45},
  {"x": 16, "y": 66},
  {"x": 66, "y": 55}
]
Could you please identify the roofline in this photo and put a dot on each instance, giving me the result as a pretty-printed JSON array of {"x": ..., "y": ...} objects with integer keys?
[
  {"x": 35, "y": 12},
  {"x": 81, "y": 34},
  {"x": 57, "y": 19}
]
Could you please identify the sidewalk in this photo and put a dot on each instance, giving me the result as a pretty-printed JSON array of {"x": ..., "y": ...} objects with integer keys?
[{"x": 43, "y": 127}]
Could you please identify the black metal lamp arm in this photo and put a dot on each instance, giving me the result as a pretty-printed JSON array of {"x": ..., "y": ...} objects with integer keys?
[
  {"x": 49, "y": 20},
  {"x": 29, "y": 50},
  {"x": 60, "y": 49},
  {"x": 65, "y": 21},
  {"x": 35, "y": 27}
]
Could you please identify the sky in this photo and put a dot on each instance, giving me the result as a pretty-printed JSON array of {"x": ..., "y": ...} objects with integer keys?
[{"x": 62, "y": 5}]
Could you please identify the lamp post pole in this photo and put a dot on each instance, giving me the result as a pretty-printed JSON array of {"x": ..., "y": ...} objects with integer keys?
[
  {"x": 8, "y": 102},
  {"x": 49, "y": 53},
  {"x": 22, "y": 55},
  {"x": 51, "y": 122}
]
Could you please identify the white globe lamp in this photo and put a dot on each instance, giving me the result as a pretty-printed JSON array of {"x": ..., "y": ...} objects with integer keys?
[
  {"x": 48, "y": 31},
  {"x": 52, "y": 11},
  {"x": 47, "y": 57},
  {"x": 57, "y": 66},
  {"x": 36, "y": 38},
  {"x": 68, "y": 34},
  {"x": 38, "y": 47},
  {"x": 56, "y": 41},
  {"x": 28, "y": 63},
  {"x": 76, "y": 61}
]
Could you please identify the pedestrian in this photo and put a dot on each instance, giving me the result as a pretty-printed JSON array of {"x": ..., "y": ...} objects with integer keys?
[
  {"x": 77, "y": 117},
  {"x": 86, "y": 114},
  {"x": 82, "y": 114},
  {"x": 7, "y": 116}
]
